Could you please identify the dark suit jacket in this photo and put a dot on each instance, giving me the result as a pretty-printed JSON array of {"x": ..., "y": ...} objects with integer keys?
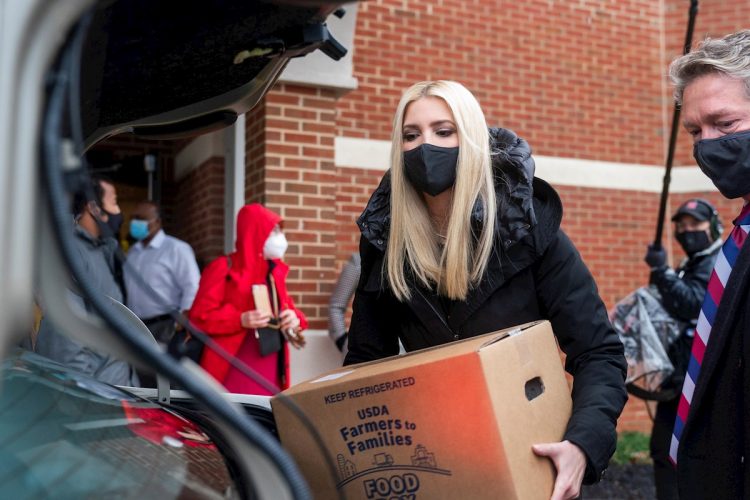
[{"x": 713, "y": 453}]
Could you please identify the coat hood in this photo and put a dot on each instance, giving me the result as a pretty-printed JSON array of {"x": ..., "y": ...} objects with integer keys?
[
  {"x": 513, "y": 169},
  {"x": 254, "y": 224}
]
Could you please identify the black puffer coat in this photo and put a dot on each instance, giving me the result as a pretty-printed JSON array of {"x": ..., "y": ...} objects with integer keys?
[
  {"x": 534, "y": 273},
  {"x": 682, "y": 289}
]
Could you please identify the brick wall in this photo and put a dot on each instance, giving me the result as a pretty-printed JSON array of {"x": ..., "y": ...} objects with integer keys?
[
  {"x": 578, "y": 79},
  {"x": 300, "y": 184},
  {"x": 199, "y": 202},
  {"x": 255, "y": 154},
  {"x": 355, "y": 187}
]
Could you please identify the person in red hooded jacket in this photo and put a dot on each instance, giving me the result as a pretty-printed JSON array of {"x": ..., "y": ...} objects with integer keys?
[{"x": 225, "y": 309}]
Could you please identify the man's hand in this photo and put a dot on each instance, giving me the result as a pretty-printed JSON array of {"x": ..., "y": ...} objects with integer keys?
[
  {"x": 655, "y": 256},
  {"x": 254, "y": 319},
  {"x": 177, "y": 325},
  {"x": 570, "y": 463}
]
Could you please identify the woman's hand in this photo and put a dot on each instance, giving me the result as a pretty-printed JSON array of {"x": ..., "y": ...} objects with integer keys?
[
  {"x": 254, "y": 319},
  {"x": 570, "y": 463},
  {"x": 291, "y": 329}
]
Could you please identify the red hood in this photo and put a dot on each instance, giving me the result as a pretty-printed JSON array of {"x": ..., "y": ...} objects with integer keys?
[{"x": 254, "y": 224}]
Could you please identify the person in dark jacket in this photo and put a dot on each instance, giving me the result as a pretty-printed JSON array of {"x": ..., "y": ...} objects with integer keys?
[
  {"x": 711, "y": 440},
  {"x": 96, "y": 253},
  {"x": 698, "y": 228},
  {"x": 460, "y": 239}
]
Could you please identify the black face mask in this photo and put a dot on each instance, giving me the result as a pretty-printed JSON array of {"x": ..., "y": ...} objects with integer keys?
[
  {"x": 726, "y": 161},
  {"x": 693, "y": 241},
  {"x": 431, "y": 169},
  {"x": 115, "y": 222}
]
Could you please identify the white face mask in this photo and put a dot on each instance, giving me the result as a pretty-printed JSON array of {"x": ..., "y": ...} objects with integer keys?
[{"x": 275, "y": 246}]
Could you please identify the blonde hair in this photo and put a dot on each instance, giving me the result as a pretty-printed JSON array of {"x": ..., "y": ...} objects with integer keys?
[
  {"x": 729, "y": 56},
  {"x": 456, "y": 267}
]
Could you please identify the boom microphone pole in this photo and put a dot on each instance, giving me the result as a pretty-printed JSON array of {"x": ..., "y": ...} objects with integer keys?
[{"x": 673, "y": 136}]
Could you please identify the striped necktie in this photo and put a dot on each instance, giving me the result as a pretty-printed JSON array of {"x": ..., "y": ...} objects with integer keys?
[{"x": 716, "y": 283}]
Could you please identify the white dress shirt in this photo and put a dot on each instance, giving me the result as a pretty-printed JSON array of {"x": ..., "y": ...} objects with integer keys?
[{"x": 168, "y": 265}]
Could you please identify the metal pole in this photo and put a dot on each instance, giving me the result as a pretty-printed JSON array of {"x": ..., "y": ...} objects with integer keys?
[
  {"x": 673, "y": 135},
  {"x": 149, "y": 164}
]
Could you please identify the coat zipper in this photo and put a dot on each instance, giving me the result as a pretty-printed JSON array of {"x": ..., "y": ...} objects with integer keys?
[{"x": 440, "y": 316}]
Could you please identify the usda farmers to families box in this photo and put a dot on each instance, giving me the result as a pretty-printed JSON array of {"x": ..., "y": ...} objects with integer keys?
[{"x": 455, "y": 421}]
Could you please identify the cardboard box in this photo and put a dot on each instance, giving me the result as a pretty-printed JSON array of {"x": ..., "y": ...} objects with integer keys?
[{"x": 455, "y": 421}]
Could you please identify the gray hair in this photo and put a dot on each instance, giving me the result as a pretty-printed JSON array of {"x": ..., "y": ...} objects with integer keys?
[{"x": 729, "y": 56}]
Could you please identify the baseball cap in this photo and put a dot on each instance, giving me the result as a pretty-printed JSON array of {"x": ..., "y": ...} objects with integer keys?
[{"x": 700, "y": 209}]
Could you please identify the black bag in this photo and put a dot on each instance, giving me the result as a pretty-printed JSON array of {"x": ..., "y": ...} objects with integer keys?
[
  {"x": 269, "y": 340},
  {"x": 183, "y": 344}
]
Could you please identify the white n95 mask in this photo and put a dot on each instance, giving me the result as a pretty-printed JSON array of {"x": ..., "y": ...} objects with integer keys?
[{"x": 275, "y": 246}]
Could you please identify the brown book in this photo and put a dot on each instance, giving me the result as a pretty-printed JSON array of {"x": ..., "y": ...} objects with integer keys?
[{"x": 262, "y": 300}]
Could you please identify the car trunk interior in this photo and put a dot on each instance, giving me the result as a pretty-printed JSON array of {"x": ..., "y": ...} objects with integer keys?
[{"x": 145, "y": 62}]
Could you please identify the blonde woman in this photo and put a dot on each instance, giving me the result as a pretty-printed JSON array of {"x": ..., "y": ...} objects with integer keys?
[{"x": 461, "y": 239}]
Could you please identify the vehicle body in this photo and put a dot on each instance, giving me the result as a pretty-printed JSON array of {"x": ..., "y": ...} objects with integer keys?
[
  {"x": 66, "y": 435},
  {"x": 71, "y": 74}
]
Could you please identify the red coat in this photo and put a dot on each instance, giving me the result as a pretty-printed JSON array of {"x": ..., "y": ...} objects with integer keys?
[{"x": 224, "y": 294}]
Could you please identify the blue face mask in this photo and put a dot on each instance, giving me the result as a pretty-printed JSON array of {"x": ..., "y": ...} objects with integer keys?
[{"x": 138, "y": 229}]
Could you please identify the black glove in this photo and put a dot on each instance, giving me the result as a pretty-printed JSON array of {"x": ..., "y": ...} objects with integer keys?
[
  {"x": 655, "y": 256},
  {"x": 340, "y": 342}
]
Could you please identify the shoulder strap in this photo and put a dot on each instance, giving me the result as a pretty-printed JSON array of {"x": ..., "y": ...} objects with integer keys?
[
  {"x": 274, "y": 297},
  {"x": 229, "y": 267}
]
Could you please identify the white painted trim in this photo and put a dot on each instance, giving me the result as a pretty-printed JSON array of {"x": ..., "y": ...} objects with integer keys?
[
  {"x": 195, "y": 154},
  {"x": 626, "y": 176},
  {"x": 315, "y": 78},
  {"x": 689, "y": 180},
  {"x": 362, "y": 153},
  {"x": 375, "y": 155}
]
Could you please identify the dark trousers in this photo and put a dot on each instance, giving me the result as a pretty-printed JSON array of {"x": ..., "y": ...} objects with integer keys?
[
  {"x": 665, "y": 477},
  {"x": 162, "y": 329}
]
